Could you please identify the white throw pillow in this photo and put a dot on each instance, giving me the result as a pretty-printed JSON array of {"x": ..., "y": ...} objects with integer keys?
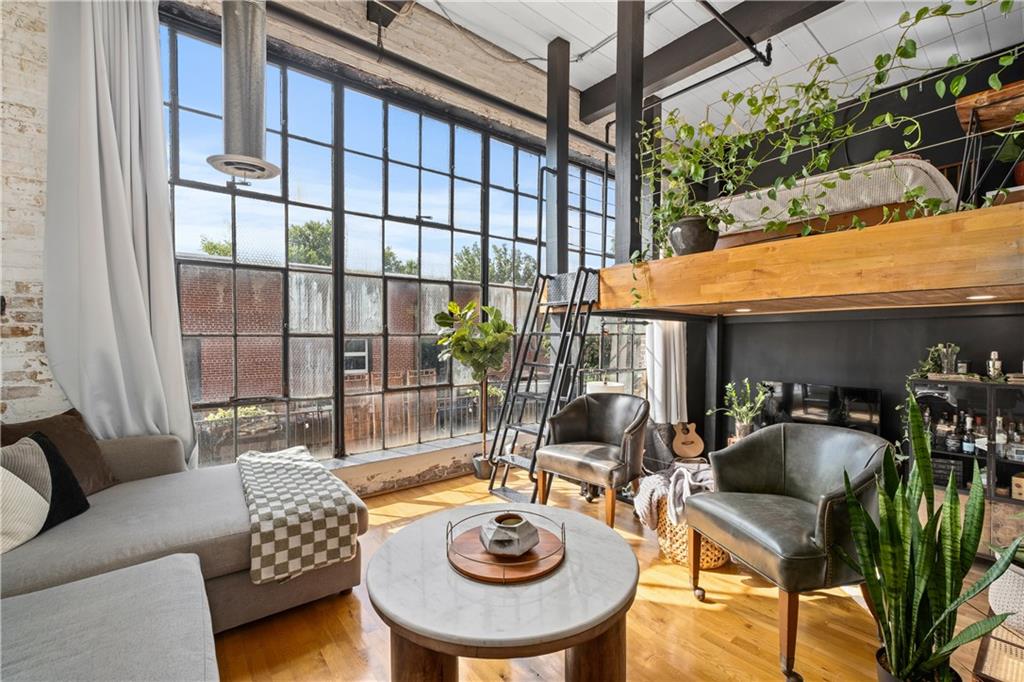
[{"x": 24, "y": 480}]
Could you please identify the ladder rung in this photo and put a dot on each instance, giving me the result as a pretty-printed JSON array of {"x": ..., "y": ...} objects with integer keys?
[
  {"x": 516, "y": 460},
  {"x": 531, "y": 363},
  {"x": 537, "y": 395},
  {"x": 532, "y": 429}
]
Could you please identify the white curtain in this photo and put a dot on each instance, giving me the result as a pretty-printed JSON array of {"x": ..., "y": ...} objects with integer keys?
[
  {"x": 110, "y": 308},
  {"x": 666, "y": 371}
]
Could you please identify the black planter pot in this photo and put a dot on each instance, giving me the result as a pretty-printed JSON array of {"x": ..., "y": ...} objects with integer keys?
[
  {"x": 482, "y": 467},
  {"x": 692, "y": 235},
  {"x": 885, "y": 676}
]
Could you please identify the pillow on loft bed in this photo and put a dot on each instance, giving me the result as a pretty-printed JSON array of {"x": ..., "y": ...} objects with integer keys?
[{"x": 872, "y": 185}]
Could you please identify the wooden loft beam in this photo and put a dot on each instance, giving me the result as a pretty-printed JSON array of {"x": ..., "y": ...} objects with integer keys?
[
  {"x": 939, "y": 260},
  {"x": 703, "y": 47}
]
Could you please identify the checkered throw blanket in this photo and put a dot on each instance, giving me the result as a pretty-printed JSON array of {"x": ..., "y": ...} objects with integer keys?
[{"x": 302, "y": 517}]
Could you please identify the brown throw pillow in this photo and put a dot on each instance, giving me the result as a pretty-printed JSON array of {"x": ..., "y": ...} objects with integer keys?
[{"x": 78, "y": 447}]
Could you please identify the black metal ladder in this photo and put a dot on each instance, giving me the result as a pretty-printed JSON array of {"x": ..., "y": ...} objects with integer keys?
[{"x": 545, "y": 367}]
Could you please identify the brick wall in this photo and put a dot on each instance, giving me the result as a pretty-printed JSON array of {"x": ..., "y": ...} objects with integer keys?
[{"x": 28, "y": 389}]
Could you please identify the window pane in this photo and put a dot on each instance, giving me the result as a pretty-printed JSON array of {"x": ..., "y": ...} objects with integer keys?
[
  {"x": 575, "y": 236},
  {"x": 575, "y": 187},
  {"x": 364, "y": 182},
  {"x": 363, "y": 424},
  {"x": 436, "y": 262},
  {"x": 401, "y": 418},
  {"x": 199, "y": 74},
  {"x": 467, "y": 205},
  {"x": 272, "y": 150},
  {"x": 364, "y": 123},
  {"x": 363, "y": 305},
  {"x": 436, "y": 144},
  {"x": 403, "y": 135},
  {"x": 435, "y": 421},
  {"x": 311, "y": 423},
  {"x": 309, "y": 173},
  {"x": 402, "y": 362},
  {"x": 207, "y": 300},
  {"x": 526, "y": 264},
  {"x": 310, "y": 303},
  {"x": 528, "y": 170},
  {"x": 202, "y": 224},
  {"x": 464, "y": 293},
  {"x": 433, "y": 300},
  {"x": 501, "y": 213},
  {"x": 261, "y": 427},
  {"x": 199, "y": 137},
  {"x": 435, "y": 198},
  {"x": 500, "y": 263},
  {"x": 527, "y": 218},
  {"x": 310, "y": 107},
  {"x": 401, "y": 248},
  {"x": 363, "y": 364},
  {"x": 501, "y": 164},
  {"x": 311, "y": 367},
  {"x": 403, "y": 307},
  {"x": 610, "y": 205},
  {"x": 502, "y": 299},
  {"x": 462, "y": 375},
  {"x": 466, "y": 411},
  {"x": 215, "y": 434},
  {"x": 592, "y": 260},
  {"x": 209, "y": 368},
  {"x": 259, "y": 231},
  {"x": 310, "y": 236},
  {"x": 260, "y": 299},
  {"x": 522, "y": 306},
  {"x": 259, "y": 366},
  {"x": 403, "y": 191},
  {"x": 362, "y": 244},
  {"x": 593, "y": 191},
  {"x": 466, "y": 260},
  {"x": 272, "y": 97},
  {"x": 468, "y": 153},
  {"x": 433, "y": 370}
]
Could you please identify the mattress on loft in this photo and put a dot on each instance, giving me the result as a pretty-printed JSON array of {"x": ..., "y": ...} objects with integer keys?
[{"x": 873, "y": 184}]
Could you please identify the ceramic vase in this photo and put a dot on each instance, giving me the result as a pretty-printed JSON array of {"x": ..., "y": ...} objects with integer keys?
[{"x": 508, "y": 534}]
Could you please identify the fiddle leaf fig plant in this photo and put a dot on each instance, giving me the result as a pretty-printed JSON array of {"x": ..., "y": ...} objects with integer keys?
[{"x": 480, "y": 345}]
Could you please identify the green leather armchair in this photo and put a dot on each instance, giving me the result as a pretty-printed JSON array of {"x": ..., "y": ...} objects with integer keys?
[
  {"x": 780, "y": 508},
  {"x": 597, "y": 439}
]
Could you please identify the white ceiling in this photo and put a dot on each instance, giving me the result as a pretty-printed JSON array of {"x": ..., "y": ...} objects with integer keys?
[{"x": 854, "y": 32}]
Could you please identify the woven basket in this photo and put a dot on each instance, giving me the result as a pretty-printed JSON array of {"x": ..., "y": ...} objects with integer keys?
[{"x": 674, "y": 543}]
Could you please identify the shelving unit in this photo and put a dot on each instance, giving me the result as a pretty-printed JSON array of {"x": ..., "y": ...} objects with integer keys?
[{"x": 1004, "y": 513}]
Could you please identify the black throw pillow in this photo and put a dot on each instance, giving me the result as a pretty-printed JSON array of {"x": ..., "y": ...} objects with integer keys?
[{"x": 66, "y": 497}]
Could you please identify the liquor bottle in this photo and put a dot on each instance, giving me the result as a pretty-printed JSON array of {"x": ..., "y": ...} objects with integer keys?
[
  {"x": 980, "y": 435},
  {"x": 999, "y": 437},
  {"x": 941, "y": 429},
  {"x": 927, "y": 417},
  {"x": 968, "y": 440},
  {"x": 954, "y": 437}
]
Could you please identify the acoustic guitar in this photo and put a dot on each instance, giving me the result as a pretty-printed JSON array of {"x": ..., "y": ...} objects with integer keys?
[{"x": 687, "y": 444}]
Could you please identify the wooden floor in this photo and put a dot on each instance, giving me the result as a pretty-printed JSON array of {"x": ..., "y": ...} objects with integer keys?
[{"x": 731, "y": 636}]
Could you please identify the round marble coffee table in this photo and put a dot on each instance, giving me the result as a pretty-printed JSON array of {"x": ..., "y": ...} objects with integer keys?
[{"x": 436, "y": 614}]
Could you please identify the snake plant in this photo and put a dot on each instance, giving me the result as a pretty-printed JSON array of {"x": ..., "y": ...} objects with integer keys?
[{"x": 914, "y": 570}]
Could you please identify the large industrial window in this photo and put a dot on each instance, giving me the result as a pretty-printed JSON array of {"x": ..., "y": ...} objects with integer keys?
[{"x": 395, "y": 210}]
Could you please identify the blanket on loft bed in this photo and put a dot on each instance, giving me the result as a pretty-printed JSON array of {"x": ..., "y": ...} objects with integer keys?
[
  {"x": 870, "y": 185},
  {"x": 302, "y": 517}
]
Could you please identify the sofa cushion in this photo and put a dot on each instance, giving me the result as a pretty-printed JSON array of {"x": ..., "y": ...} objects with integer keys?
[
  {"x": 144, "y": 622},
  {"x": 201, "y": 512},
  {"x": 773, "y": 534},
  {"x": 76, "y": 444}
]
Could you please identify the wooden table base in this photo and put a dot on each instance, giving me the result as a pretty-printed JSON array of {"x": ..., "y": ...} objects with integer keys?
[{"x": 599, "y": 659}]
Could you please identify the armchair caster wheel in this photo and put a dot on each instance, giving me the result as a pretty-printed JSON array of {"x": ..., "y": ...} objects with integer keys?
[{"x": 698, "y": 593}]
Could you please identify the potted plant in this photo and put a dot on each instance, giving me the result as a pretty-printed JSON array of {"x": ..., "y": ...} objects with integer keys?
[
  {"x": 479, "y": 345},
  {"x": 913, "y": 570},
  {"x": 743, "y": 405}
]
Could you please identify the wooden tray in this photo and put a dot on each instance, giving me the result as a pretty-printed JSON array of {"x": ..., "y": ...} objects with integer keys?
[{"x": 467, "y": 556}]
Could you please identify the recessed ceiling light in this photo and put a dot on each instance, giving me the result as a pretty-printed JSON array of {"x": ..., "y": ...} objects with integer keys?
[
  {"x": 981, "y": 297},
  {"x": 743, "y": 310}
]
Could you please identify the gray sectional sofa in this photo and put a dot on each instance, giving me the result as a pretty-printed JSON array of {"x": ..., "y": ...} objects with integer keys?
[{"x": 159, "y": 509}]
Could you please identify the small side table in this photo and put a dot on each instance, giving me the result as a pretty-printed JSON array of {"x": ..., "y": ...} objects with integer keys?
[
  {"x": 436, "y": 615},
  {"x": 1000, "y": 657}
]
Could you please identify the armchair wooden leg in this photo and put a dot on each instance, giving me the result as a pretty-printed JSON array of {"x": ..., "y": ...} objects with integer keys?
[
  {"x": 542, "y": 487},
  {"x": 789, "y": 606},
  {"x": 693, "y": 559},
  {"x": 609, "y": 507}
]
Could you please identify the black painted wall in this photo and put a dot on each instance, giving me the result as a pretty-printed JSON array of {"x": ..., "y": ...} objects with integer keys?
[{"x": 875, "y": 349}]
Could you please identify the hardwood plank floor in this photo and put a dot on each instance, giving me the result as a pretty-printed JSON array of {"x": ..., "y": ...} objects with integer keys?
[{"x": 671, "y": 636}]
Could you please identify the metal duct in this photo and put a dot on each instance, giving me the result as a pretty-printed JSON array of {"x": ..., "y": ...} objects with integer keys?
[{"x": 244, "y": 49}]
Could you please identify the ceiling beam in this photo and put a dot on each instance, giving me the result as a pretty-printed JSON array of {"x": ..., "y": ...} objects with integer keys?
[{"x": 705, "y": 46}]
